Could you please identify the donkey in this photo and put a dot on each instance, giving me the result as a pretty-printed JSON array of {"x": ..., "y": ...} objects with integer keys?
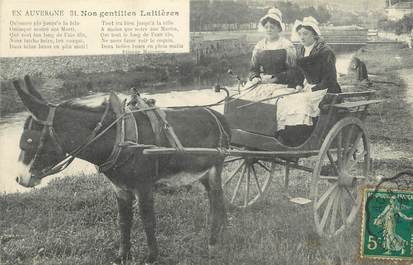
[{"x": 54, "y": 131}]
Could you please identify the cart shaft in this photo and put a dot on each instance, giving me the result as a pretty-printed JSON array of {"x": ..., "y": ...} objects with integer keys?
[{"x": 228, "y": 152}]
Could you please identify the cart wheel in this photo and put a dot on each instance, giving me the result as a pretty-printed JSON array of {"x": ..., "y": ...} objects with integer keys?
[
  {"x": 341, "y": 169},
  {"x": 245, "y": 180}
]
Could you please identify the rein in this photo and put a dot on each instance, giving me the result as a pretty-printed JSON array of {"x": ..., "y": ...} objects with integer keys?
[
  {"x": 227, "y": 99},
  {"x": 48, "y": 130}
]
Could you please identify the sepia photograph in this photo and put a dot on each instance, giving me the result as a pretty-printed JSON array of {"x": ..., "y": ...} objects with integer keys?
[{"x": 206, "y": 132}]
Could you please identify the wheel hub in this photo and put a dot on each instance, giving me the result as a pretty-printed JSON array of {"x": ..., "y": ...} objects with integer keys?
[{"x": 346, "y": 180}]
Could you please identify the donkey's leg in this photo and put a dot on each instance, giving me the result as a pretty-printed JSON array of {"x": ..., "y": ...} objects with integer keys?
[
  {"x": 217, "y": 197},
  {"x": 205, "y": 182},
  {"x": 146, "y": 210},
  {"x": 217, "y": 210},
  {"x": 125, "y": 218}
]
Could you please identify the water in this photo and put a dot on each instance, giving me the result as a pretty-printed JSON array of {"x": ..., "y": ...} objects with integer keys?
[
  {"x": 11, "y": 129},
  {"x": 342, "y": 62}
]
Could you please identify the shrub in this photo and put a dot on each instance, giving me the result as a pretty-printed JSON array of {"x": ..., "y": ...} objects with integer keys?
[{"x": 403, "y": 25}]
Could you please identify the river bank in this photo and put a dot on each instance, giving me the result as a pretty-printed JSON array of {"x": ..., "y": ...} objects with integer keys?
[
  {"x": 65, "y": 77},
  {"x": 153, "y": 78}
]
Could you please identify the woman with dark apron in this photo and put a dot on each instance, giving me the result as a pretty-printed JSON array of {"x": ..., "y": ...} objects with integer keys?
[
  {"x": 297, "y": 114},
  {"x": 273, "y": 60}
]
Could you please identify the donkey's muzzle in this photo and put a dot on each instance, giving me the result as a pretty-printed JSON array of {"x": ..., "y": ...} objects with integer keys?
[{"x": 28, "y": 182}]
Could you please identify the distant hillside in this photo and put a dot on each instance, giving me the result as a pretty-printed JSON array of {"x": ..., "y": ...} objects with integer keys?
[
  {"x": 352, "y": 5},
  {"x": 355, "y": 4}
]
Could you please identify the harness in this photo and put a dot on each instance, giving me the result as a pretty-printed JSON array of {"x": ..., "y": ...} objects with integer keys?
[
  {"x": 48, "y": 131},
  {"x": 126, "y": 134}
]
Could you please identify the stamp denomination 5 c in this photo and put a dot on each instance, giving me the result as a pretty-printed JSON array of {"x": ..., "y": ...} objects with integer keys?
[{"x": 387, "y": 224}]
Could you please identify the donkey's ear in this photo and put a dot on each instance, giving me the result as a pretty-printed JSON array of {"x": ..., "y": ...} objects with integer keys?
[
  {"x": 38, "y": 108},
  {"x": 116, "y": 104},
  {"x": 32, "y": 90}
]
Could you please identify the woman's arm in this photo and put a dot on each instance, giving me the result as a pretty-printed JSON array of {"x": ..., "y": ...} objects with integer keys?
[
  {"x": 328, "y": 72},
  {"x": 293, "y": 77},
  {"x": 402, "y": 215},
  {"x": 255, "y": 67}
]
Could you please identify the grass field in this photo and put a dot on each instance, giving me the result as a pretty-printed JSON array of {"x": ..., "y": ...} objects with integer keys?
[{"x": 73, "y": 220}]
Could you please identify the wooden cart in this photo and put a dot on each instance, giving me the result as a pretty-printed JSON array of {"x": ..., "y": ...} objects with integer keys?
[{"x": 338, "y": 152}]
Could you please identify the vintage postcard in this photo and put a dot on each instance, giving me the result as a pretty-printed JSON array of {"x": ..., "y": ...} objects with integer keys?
[{"x": 206, "y": 132}]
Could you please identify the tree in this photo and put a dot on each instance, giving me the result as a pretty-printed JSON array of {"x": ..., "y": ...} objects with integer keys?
[
  {"x": 407, "y": 23},
  {"x": 311, "y": 11},
  {"x": 324, "y": 14},
  {"x": 404, "y": 25},
  {"x": 223, "y": 12},
  {"x": 290, "y": 11}
]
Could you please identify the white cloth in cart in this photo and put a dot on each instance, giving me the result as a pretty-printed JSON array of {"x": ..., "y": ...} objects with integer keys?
[
  {"x": 299, "y": 109},
  {"x": 291, "y": 110}
]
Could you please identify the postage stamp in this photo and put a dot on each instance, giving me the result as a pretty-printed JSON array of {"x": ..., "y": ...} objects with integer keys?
[{"x": 387, "y": 224}]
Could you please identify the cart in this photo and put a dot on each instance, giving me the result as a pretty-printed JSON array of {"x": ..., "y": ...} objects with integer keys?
[{"x": 338, "y": 149}]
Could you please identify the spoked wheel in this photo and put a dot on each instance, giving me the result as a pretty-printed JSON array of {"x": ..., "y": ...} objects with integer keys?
[
  {"x": 341, "y": 169},
  {"x": 245, "y": 180}
]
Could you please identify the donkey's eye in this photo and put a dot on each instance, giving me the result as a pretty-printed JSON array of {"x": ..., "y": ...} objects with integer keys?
[{"x": 29, "y": 140}]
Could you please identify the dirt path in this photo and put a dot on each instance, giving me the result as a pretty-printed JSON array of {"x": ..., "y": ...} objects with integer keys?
[
  {"x": 407, "y": 76},
  {"x": 390, "y": 125}
]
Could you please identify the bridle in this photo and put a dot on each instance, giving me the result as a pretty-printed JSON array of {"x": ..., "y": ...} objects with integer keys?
[{"x": 49, "y": 131}]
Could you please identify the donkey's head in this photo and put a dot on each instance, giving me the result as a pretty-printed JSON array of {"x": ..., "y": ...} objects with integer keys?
[{"x": 38, "y": 145}]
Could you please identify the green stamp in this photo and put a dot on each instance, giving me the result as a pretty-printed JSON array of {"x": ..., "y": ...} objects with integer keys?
[{"x": 387, "y": 224}]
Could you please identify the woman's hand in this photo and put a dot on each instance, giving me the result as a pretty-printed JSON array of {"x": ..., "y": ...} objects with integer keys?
[
  {"x": 252, "y": 82},
  {"x": 255, "y": 80},
  {"x": 273, "y": 80},
  {"x": 299, "y": 88},
  {"x": 269, "y": 79}
]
